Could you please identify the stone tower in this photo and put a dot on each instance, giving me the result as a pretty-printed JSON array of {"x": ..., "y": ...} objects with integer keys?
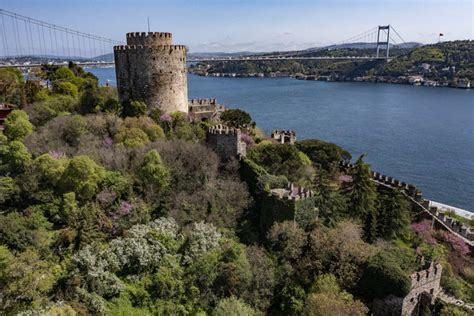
[{"x": 153, "y": 70}]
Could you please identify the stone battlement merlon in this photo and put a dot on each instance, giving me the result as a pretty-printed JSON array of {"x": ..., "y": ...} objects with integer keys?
[
  {"x": 153, "y": 34},
  {"x": 422, "y": 277},
  {"x": 203, "y": 101},
  {"x": 149, "y": 38},
  {"x": 155, "y": 48},
  {"x": 223, "y": 129},
  {"x": 292, "y": 192}
]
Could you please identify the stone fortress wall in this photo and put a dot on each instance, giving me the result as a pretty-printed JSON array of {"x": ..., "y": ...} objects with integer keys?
[
  {"x": 226, "y": 142},
  {"x": 204, "y": 109},
  {"x": 425, "y": 288},
  {"x": 451, "y": 224},
  {"x": 153, "y": 70}
]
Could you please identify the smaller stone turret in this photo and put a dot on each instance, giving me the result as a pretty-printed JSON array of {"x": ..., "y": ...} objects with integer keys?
[
  {"x": 284, "y": 137},
  {"x": 226, "y": 142}
]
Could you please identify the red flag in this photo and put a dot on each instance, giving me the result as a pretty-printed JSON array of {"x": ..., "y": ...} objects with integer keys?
[{"x": 441, "y": 34}]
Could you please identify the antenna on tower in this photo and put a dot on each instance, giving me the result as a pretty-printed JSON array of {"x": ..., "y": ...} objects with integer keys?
[{"x": 148, "y": 19}]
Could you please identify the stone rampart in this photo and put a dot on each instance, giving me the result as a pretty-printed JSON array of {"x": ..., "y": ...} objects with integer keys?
[{"x": 450, "y": 223}]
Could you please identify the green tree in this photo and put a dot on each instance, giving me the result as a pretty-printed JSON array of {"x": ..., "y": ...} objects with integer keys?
[
  {"x": 326, "y": 298},
  {"x": 17, "y": 125},
  {"x": 82, "y": 176},
  {"x": 65, "y": 88},
  {"x": 133, "y": 108},
  {"x": 385, "y": 276},
  {"x": 91, "y": 99},
  {"x": 15, "y": 158},
  {"x": 153, "y": 172},
  {"x": 8, "y": 189},
  {"x": 393, "y": 217},
  {"x": 329, "y": 201},
  {"x": 232, "y": 307},
  {"x": 27, "y": 280},
  {"x": 236, "y": 118},
  {"x": 363, "y": 198}
]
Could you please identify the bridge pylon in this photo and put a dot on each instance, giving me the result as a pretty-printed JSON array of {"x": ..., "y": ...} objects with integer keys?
[{"x": 383, "y": 43}]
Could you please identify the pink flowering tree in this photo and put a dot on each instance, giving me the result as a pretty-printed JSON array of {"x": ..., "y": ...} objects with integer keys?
[
  {"x": 424, "y": 230},
  {"x": 455, "y": 243}
]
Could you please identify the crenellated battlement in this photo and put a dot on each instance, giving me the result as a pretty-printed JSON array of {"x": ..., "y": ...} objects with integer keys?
[
  {"x": 149, "y": 38},
  {"x": 162, "y": 48},
  {"x": 223, "y": 129},
  {"x": 431, "y": 274},
  {"x": 203, "y": 101},
  {"x": 292, "y": 192},
  {"x": 284, "y": 137}
]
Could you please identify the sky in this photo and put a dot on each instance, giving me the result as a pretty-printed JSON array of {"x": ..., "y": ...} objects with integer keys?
[{"x": 259, "y": 25}]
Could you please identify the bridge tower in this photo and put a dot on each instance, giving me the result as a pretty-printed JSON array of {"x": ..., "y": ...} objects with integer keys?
[
  {"x": 381, "y": 43},
  {"x": 153, "y": 70}
]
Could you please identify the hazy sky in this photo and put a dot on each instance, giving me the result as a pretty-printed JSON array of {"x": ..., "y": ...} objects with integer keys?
[{"x": 238, "y": 25}]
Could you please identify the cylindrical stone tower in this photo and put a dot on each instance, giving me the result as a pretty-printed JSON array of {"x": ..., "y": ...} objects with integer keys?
[{"x": 150, "y": 69}]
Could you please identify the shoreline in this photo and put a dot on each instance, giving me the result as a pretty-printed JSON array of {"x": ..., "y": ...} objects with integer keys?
[{"x": 314, "y": 78}]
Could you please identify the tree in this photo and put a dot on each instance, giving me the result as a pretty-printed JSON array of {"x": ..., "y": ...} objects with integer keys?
[
  {"x": 232, "y": 307},
  {"x": 323, "y": 153},
  {"x": 387, "y": 273},
  {"x": 339, "y": 250},
  {"x": 17, "y": 125},
  {"x": 91, "y": 99},
  {"x": 8, "y": 189},
  {"x": 26, "y": 280},
  {"x": 287, "y": 239},
  {"x": 133, "y": 108},
  {"x": 393, "y": 216},
  {"x": 328, "y": 200},
  {"x": 363, "y": 198},
  {"x": 154, "y": 172},
  {"x": 236, "y": 118},
  {"x": 65, "y": 88},
  {"x": 15, "y": 158},
  {"x": 82, "y": 176},
  {"x": 233, "y": 270},
  {"x": 279, "y": 159},
  {"x": 326, "y": 298}
]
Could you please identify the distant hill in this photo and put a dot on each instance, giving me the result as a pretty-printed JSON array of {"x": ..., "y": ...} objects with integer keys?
[{"x": 442, "y": 63}]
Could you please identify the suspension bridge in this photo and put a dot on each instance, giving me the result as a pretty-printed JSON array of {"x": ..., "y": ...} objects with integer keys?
[{"x": 26, "y": 42}]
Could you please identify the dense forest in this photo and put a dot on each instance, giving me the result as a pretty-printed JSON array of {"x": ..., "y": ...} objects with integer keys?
[
  {"x": 107, "y": 209},
  {"x": 447, "y": 62}
]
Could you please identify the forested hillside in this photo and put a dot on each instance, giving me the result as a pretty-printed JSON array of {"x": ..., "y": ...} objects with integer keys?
[{"x": 445, "y": 63}]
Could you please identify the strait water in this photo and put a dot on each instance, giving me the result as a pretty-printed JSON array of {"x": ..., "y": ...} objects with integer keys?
[{"x": 420, "y": 135}]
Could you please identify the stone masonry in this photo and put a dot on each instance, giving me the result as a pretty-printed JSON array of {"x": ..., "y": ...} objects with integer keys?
[
  {"x": 153, "y": 70},
  {"x": 284, "y": 137},
  {"x": 425, "y": 288},
  {"x": 204, "y": 109},
  {"x": 226, "y": 142}
]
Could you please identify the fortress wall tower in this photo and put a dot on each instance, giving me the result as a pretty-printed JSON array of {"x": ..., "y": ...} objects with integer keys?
[{"x": 150, "y": 69}]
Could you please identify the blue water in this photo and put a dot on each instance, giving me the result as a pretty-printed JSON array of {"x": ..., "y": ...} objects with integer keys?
[{"x": 420, "y": 135}]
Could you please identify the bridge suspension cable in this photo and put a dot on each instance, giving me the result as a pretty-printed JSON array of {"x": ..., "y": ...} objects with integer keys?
[{"x": 23, "y": 38}]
